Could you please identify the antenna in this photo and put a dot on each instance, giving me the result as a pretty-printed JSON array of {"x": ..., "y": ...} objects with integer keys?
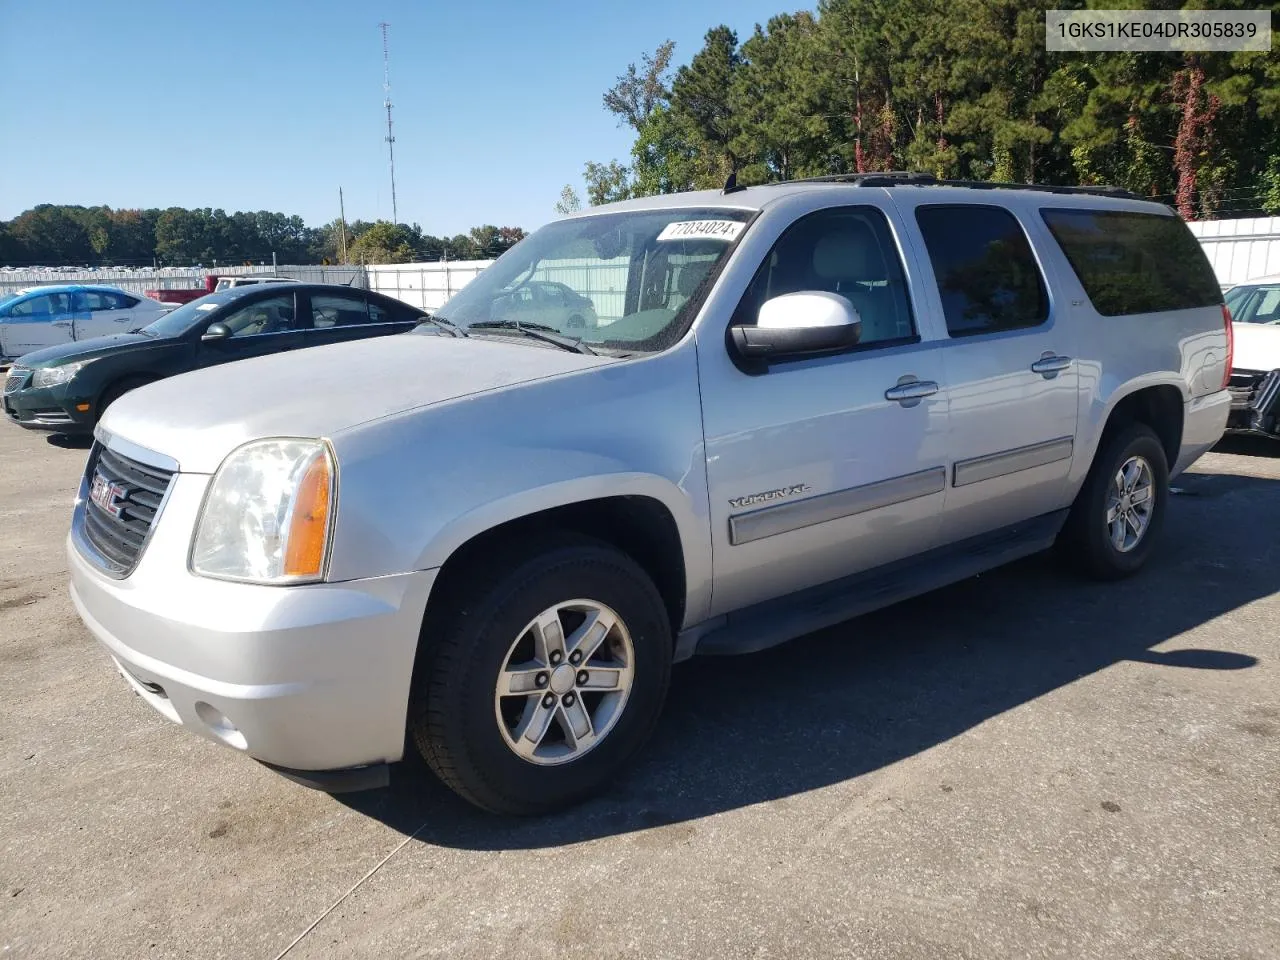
[{"x": 391, "y": 141}]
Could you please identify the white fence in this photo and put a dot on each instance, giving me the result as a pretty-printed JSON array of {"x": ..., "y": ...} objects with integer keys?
[
  {"x": 170, "y": 278},
  {"x": 425, "y": 285},
  {"x": 1241, "y": 250}
]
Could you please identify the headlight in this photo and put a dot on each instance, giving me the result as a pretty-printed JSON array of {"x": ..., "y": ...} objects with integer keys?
[
  {"x": 52, "y": 376},
  {"x": 267, "y": 514}
]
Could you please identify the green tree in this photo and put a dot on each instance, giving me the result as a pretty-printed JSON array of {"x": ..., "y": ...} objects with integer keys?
[
  {"x": 569, "y": 201},
  {"x": 607, "y": 182},
  {"x": 382, "y": 242}
]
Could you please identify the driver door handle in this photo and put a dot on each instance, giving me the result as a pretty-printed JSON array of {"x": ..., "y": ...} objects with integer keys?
[
  {"x": 1050, "y": 365},
  {"x": 61, "y": 323},
  {"x": 912, "y": 392}
]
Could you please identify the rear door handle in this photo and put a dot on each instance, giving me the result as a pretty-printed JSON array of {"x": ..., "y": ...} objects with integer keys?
[
  {"x": 61, "y": 323},
  {"x": 1050, "y": 365},
  {"x": 911, "y": 392}
]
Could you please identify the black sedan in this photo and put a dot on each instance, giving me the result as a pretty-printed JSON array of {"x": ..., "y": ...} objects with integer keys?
[{"x": 66, "y": 388}]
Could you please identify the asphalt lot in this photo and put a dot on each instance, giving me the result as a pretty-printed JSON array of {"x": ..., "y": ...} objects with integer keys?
[{"x": 1022, "y": 765}]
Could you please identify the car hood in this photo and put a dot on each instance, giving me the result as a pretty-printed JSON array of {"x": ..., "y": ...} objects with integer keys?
[
  {"x": 90, "y": 349},
  {"x": 198, "y": 418},
  {"x": 1257, "y": 346}
]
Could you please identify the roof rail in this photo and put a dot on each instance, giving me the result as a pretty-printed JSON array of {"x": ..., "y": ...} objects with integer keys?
[{"x": 900, "y": 178}]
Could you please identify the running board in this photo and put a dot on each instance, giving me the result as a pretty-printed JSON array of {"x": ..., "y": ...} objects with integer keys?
[{"x": 772, "y": 622}]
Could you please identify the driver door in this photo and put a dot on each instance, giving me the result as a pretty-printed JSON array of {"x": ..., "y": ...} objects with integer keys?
[
  {"x": 825, "y": 466},
  {"x": 260, "y": 324},
  {"x": 38, "y": 322}
]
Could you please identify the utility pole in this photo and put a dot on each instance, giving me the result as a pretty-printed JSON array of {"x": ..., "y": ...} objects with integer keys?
[
  {"x": 391, "y": 141},
  {"x": 342, "y": 227}
]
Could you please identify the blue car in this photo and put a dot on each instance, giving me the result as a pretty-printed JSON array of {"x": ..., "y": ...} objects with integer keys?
[{"x": 40, "y": 317}]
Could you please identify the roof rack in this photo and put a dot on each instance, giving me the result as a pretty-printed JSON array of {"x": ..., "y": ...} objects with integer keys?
[{"x": 900, "y": 178}]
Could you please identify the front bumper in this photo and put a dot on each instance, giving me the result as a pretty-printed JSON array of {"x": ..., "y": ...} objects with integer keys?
[
  {"x": 307, "y": 678},
  {"x": 48, "y": 408}
]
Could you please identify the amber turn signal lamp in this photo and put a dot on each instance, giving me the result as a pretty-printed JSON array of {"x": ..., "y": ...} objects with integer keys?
[{"x": 309, "y": 525}]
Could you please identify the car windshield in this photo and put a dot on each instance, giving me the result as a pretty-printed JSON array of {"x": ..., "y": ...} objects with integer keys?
[
  {"x": 618, "y": 280},
  {"x": 1257, "y": 303},
  {"x": 178, "y": 322}
]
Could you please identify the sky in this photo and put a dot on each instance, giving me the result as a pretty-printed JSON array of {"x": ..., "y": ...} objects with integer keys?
[{"x": 275, "y": 104}]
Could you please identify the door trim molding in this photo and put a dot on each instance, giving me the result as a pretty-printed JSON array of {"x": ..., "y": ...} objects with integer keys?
[
  {"x": 992, "y": 465},
  {"x": 836, "y": 505}
]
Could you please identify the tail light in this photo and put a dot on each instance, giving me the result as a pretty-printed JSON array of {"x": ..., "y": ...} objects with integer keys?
[{"x": 1231, "y": 346}]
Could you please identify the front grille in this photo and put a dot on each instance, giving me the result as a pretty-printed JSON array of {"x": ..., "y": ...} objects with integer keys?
[
  {"x": 135, "y": 491},
  {"x": 1242, "y": 386},
  {"x": 17, "y": 379}
]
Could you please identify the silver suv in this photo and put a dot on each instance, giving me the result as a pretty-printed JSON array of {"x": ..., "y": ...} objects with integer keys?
[{"x": 798, "y": 402}]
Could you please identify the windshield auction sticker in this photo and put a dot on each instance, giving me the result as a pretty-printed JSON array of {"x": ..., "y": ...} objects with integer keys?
[
  {"x": 1168, "y": 30},
  {"x": 726, "y": 230}
]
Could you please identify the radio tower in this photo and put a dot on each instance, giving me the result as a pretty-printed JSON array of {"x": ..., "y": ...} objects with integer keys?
[{"x": 391, "y": 141}]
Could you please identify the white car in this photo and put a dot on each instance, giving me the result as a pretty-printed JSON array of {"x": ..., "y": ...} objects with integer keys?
[
  {"x": 1255, "y": 372},
  {"x": 39, "y": 317}
]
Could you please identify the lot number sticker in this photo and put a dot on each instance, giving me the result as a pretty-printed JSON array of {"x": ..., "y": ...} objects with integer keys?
[{"x": 726, "y": 230}]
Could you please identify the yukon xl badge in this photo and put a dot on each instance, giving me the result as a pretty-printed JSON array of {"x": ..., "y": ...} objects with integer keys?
[{"x": 752, "y": 499}]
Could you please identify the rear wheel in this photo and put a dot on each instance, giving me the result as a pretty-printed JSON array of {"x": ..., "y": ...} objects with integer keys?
[
  {"x": 541, "y": 681},
  {"x": 1117, "y": 516}
]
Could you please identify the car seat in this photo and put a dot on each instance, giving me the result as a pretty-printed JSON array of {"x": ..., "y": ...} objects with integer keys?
[{"x": 848, "y": 261}]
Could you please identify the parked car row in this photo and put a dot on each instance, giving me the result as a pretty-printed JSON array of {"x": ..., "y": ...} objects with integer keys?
[
  {"x": 492, "y": 537},
  {"x": 1255, "y": 381},
  {"x": 68, "y": 387},
  {"x": 40, "y": 317}
]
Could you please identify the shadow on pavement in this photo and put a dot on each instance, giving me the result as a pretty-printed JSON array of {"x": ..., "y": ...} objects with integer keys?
[
  {"x": 70, "y": 441},
  {"x": 1246, "y": 445},
  {"x": 828, "y": 707}
]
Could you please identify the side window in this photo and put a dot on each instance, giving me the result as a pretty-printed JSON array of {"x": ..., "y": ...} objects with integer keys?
[
  {"x": 336, "y": 310},
  {"x": 987, "y": 277},
  {"x": 35, "y": 307},
  {"x": 1131, "y": 262},
  {"x": 272, "y": 315},
  {"x": 845, "y": 250},
  {"x": 379, "y": 312},
  {"x": 94, "y": 300}
]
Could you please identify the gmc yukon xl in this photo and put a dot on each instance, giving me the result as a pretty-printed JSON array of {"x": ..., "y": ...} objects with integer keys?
[{"x": 491, "y": 539}]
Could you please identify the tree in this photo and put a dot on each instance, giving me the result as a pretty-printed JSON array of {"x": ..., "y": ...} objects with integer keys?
[
  {"x": 568, "y": 202},
  {"x": 701, "y": 95},
  {"x": 607, "y": 182},
  {"x": 382, "y": 242},
  {"x": 638, "y": 93}
]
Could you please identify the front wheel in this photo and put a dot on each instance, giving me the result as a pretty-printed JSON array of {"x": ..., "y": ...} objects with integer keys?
[
  {"x": 1117, "y": 516},
  {"x": 544, "y": 679}
]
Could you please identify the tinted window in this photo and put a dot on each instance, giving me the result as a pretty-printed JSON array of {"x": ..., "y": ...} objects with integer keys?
[
  {"x": 1134, "y": 262},
  {"x": 987, "y": 277},
  {"x": 846, "y": 250},
  {"x": 271, "y": 315},
  {"x": 337, "y": 310},
  {"x": 382, "y": 311}
]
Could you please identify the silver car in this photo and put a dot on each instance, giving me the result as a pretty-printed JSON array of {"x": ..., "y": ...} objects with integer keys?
[{"x": 809, "y": 400}]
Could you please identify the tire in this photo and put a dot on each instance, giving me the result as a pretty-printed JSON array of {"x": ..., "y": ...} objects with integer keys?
[
  {"x": 576, "y": 323},
  {"x": 468, "y": 735},
  {"x": 1088, "y": 540},
  {"x": 114, "y": 392}
]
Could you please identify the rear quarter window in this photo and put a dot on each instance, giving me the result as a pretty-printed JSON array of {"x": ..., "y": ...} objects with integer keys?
[{"x": 1131, "y": 263}]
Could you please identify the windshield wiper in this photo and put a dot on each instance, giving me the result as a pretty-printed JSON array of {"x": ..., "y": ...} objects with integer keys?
[
  {"x": 537, "y": 331},
  {"x": 443, "y": 324}
]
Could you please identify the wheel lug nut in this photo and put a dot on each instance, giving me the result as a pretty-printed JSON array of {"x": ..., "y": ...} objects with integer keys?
[
  {"x": 583, "y": 677},
  {"x": 556, "y": 656},
  {"x": 541, "y": 680},
  {"x": 568, "y": 699},
  {"x": 575, "y": 657},
  {"x": 549, "y": 700}
]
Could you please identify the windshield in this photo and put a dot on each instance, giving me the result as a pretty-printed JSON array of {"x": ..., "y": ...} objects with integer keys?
[
  {"x": 1255, "y": 304},
  {"x": 178, "y": 322},
  {"x": 621, "y": 280}
]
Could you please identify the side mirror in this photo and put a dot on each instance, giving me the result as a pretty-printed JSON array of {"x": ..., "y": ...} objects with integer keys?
[
  {"x": 796, "y": 324},
  {"x": 217, "y": 331}
]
